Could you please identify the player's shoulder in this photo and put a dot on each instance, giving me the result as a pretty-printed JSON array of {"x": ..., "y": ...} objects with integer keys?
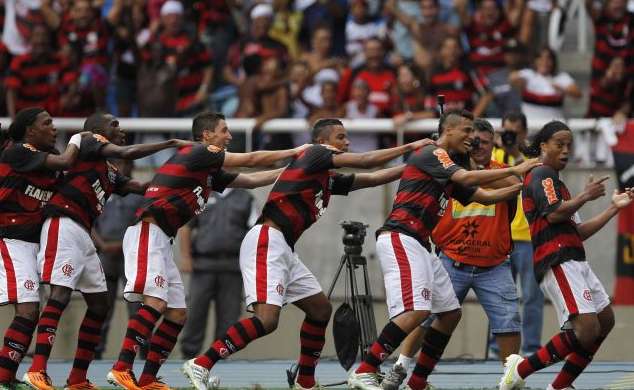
[
  {"x": 18, "y": 149},
  {"x": 543, "y": 171}
]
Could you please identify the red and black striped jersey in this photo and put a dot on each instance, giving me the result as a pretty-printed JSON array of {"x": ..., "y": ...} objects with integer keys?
[
  {"x": 91, "y": 42},
  {"x": 457, "y": 86},
  {"x": 180, "y": 188},
  {"x": 191, "y": 65},
  {"x": 486, "y": 44},
  {"x": 613, "y": 38},
  {"x": 25, "y": 187},
  {"x": 302, "y": 192},
  {"x": 39, "y": 82},
  {"x": 606, "y": 101},
  {"x": 423, "y": 193},
  {"x": 87, "y": 185},
  {"x": 553, "y": 243}
]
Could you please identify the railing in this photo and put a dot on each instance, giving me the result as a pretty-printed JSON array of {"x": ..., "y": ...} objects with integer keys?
[{"x": 183, "y": 125}]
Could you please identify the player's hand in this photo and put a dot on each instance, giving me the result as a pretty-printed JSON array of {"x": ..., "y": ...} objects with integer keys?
[
  {"x": 301, "y": 148},
  {"x": 421, "y": 143},
  {"x": 622, "y": 199},
  {"x": 179, "y": 143},
  {"x": 526, "y": 166},
  {"x": 595, "y": 188}
]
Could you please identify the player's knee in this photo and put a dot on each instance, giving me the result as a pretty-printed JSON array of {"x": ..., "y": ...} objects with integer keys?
[
  {"x": 588, "y": 330},
  {"x": 606, "y": 320},
  {"x": 29, "y": 310},
  {"x": 100, "y": 307},
  {"x": 61, "y": 294},
  {"x": 178, "y": 316},
  {"x": 452, "y": 317},
  {"x": 269, "y": 322},
  {"x": 323, "y": 312}
]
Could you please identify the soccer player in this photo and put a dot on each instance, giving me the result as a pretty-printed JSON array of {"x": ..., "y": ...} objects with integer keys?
[
  {"x": 67, "y": 259},
  {"x": 580, "y": 301},
  {"x": 416, "y": 282},
  {"x": 475, "y": 241},
  {"x": 178, "y": 191},
  {"x": 29, "y": 168},
  {"x": 272, "y": 272}
]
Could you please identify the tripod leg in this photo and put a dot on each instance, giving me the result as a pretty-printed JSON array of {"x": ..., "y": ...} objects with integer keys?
[{"x": 334, "y": 280}]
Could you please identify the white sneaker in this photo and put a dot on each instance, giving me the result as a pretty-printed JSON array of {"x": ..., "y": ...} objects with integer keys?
[
  {"x": 213, "y": 382},
  {"x": 550, "y": 387},
  {"x": 317, "y": 386},
  {"x": 511, "y": 380},
  {"x": 394, "y": 378},
  {"x": 197, "y": 375},
  {"x": 364, "y": 381}
]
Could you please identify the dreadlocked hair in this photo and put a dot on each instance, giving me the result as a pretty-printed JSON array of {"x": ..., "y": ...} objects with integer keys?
[{"x": 546, "y": 133}]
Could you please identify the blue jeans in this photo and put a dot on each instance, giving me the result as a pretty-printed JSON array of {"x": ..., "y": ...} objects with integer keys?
[
  {"x": 494, "y": 288},
  {"x": 532, "y": 296}
]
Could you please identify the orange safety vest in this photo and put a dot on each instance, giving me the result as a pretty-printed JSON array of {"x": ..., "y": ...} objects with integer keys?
[{"x": 476, "y": 234}]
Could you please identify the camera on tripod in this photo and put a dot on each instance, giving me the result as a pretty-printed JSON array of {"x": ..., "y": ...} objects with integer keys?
[{"x": 353, "y": 237}]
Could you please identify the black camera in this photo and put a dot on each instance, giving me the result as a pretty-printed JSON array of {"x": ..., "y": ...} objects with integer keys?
[
  {"x": 354, "y": 233},
  {"x": 509, "y": 138}
]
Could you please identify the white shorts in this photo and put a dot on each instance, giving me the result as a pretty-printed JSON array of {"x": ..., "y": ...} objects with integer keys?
[
  {"x": 149, "y": 266},
  {"x": 68, "y": 258},
  {"x": 414, "y": 278},
  {"x": 573, "y": 288},
  {"x": 272, "y": 273},
  {"x": 19, "y": 281}
]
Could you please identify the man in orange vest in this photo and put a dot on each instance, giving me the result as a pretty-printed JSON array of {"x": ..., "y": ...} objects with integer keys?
[{"x": 475, "y": 243}]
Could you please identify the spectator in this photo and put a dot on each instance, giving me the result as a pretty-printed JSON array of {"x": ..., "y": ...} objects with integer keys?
[
  {"x": 379, "y": 76},
  {"x": 427, "y": 34},
  {"x": 190, "y": 58},
  {"x": 126, "y": 17},
  {"x": 319, "y": 57},
  {"x": 456, "y": 81},
  {"x": 359, "y": 107},
  {"x": 359, "y": 28},
  {"x": 330, "y": 107},
  {"x": 514, "y": 144},
  {"x": 118, "y": 214},
  {"x": 299, "y": 77},
  {"x": 271, "y": 102},
  {"x": 409, "y": 101},
  {"x": 533, "y": 30},
  {"x": 505, "y": 96},
  {"x": 39, "y": 78},
  {"x": 286, "y": 26},
  {"x": 544, "y": 87},
  {"x": 614, "y": 38},
  {"x": 331, "y": 13},
  {"x": 20, "y": 19},
  {"x": 212, "y": 260},
  {"x": 398, "y": 33},
  {"x": 487, "y": 30}
]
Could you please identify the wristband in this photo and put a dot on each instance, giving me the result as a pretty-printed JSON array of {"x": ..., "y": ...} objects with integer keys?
[{"x": 75, "y": 140}]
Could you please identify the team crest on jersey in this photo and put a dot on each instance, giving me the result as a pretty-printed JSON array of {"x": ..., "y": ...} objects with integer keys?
[
  {"x": 15, "y": 356},
  {"x": 426, "y": 294},
  {"x": 29, "y": 285},
  {"x": 587, "y": 295},
  {"x": 67, "y": 270},
  {"x": 214, "y": 149},
  {"x": 443, "y": 158},
  {"x": 159, "y": 281},
  {"x": 30, "y": 147},
  {"x": 101, "y": 138},
  {"x": 280, "y": 289},
  {"x": 549, "y": 190}
]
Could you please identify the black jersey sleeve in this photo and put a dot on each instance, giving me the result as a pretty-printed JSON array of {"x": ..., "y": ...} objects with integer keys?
[
  {"x": 462, "y": 194},
  {"x": 207, "y": 157},
  {"x": 91, "y": 146},
  {"x": 437, "y": 163},
  {"x": 340, "y": 184},
  {"x": 222, "y": 179},
  {"x": 316, "y": 158},
  {"x": 24, "y": 158},
  {"x": 545, "y": 189}
]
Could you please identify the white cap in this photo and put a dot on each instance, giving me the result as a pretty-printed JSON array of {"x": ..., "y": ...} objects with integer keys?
[
  {"x": 325, "y": 75},
  {"x": 261, "y": 10},
  {"x": 172, "y": 7}
]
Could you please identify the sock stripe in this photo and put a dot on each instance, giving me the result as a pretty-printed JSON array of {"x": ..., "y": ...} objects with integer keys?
[
  {"x": 312, "y": 337},
  {"x": 160, "y": 332},
  {"x": 161, "y": 345},
  {"x": 242, "y": 332},
  {"x": 434, "y": 344},
  {"x": 390, "y": 338},
  {"x": 315, "y": 323}
]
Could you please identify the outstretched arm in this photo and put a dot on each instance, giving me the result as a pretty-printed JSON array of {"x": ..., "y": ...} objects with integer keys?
[
  {"x": 594, "y": 189},
  {"x": 481, "y": 177},
  {"x": 255, "y": 179},
  {"x": 377, "y": 178},
  {"x": 63, "y": 161},
  {"x": 494, "y": 196},
  {"x": 135, "y": 187},
  {"x": 619, "y": 201},
  {"x": 376, "y": 158},
  {"x": 133, "y": 152},
  {"x": 262, "y": 158}
]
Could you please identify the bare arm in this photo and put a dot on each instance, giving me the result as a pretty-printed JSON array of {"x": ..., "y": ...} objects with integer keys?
[
  {"x": 573, "y": 91},
  {"x": 498, "y": 195},
  {"x": 135, "y": 187},
  {"x": 376, "y": 158},
  {"x": 619, "y": 200},
  {"x": 513, "y": 11},
  {"x": 516, "y": 80},
  {"x": 482, "y": 104},
  {"x": 373, "y": 179},
  {"x": 51, "y": 18},
  {"x": 481, "y": 177},
  {"x": 260, "y": 158},
  {"x": 593, "y": 190},
  {"x": 463, "y": 13},
  {"x": 59, "y": 162},
  {"x": 133, "y": 152},
  {"x": 506, "y": 182},
  {"x": 185, "y": 241},
  {"x": 256, "y": 179}
]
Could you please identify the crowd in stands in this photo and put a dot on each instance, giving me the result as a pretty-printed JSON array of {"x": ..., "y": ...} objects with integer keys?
[{"x": 304, "y": 59}]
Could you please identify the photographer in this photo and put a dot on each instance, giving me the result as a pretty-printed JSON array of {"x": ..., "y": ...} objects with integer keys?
[{"x": 513, "y": 139}]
